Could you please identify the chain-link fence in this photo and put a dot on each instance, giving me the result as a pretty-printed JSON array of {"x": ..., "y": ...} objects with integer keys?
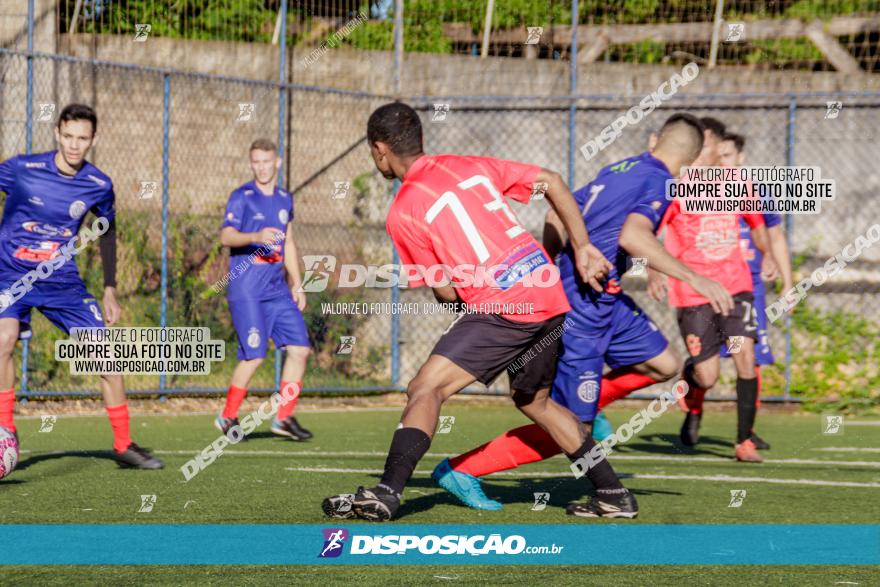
[{"x": 176, "y": 144}]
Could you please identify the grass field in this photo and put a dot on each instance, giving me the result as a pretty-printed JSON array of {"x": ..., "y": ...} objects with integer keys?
[{"x": 65, "y": 477}]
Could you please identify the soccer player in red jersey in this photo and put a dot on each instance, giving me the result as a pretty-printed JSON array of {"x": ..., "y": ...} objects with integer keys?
[
  {"x": 709, "y": 245},
  {"x": 450, "y": 211},
  {"x": 731, "y": 152}
]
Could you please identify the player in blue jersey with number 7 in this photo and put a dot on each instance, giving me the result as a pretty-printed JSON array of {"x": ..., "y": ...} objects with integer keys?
[{"x": 47, "y": 197}]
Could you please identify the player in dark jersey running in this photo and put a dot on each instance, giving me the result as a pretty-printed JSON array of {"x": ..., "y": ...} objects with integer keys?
[
  {"x": 450, "y": 211},
  {"x": 47, "y": 197},
  {"x": 265, "y": 289},
  {"x": 608, "y": 327},
  {"x": 731, "y": 152}
]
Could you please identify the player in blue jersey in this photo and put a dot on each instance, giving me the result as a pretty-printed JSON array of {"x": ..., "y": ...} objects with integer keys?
[
  {"x": 732, "y": 153},
  {"x": 265, "y": 290},
  {"x": 47, "y": 197},
  {"x": 605, "y": 327}
]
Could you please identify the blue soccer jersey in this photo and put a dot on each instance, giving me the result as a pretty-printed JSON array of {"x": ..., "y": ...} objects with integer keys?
[
  {"x": 634, "y": 185},
  {"x": 257, "y": 271},
  {"x": 44, "y": 209}
]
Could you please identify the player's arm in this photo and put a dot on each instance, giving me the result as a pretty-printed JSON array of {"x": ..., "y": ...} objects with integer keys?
[
  {"x": 591, "y": 263},
  {"x": 7, "y": 174},
  {"x": 291, "y": 265},
  {"x": 638, "y": 238},
  {"x": 232, "y": 237},
  {"x": 107, "y": 249},
  {"x": 779, "y": 247},
  {"x": 762, "y": 242},
  {"x": 553, "y": 238}
]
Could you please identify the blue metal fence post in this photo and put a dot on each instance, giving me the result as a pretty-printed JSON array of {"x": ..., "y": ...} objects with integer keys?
[
  {"x": 282, "y": 127},
  {"x": 166, "y": 131},
  {"x": 395, "y": 291},
  {"x": 29, "y": 146},
  {"x": 789, "y": 227},
  {"x": 29, "y": 107},
  {"x": 572, "y": 109}
]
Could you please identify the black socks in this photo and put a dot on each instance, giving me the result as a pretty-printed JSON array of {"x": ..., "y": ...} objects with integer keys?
[
  {"x": 746, "y": 398},
  {"x": 408, "y": 446},
  {"x": 600, "y": 474}
]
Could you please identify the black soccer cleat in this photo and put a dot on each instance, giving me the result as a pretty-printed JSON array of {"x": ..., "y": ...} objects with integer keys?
[
  {"x": 290, "y": 428},
  {"x": 224, "y": 425},
  {"x": 135, "y": 457},
  {"x": 376, "y": 504},
  {"x": 690, "y": 429},
  {"x": 606, "y": 506},
  {"x": 339, "y": 506},
  {"x": 759, "y": 442}
]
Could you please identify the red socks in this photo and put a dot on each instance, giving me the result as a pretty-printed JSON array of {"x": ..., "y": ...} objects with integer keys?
[
  {"x": 7, "y": 405},
  {"x": 234, "y": 397},
  {"x": 520, "y": 446},
  {"x": 286, "y": 410},
  {"x": 619, "y": 383},
  {"x": 529, "y": 444},
  {"x": 119, "y": 421},
  {"x": 694, "y": 400}
]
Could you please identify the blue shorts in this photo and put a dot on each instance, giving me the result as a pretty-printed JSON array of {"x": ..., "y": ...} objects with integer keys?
[
  {"x": 628, "y": 337},
  {"x": 277, "y": 318},
  {"x": 763, "y": 354},
  {"x": 66, "y": 305}
]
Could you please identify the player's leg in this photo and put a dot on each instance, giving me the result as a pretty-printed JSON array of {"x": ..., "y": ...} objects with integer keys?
[
  {"x": 741, "y": 323},
  {"x": 250, "y": 329},
  {"x": 438, "y": 379},
  {"x": 701, "y": 330},
  {"x": 9, "y": 329},
  {"x": 531, "y": 394},
  {"x": 763, "y": 352},
  {"x": 70, "y": 306},
  {"x": 576, "y": 387},
  {"x": 285, "y": 321},
  {"x": 284, "y": 423},
  {"x": 639, "y": 356},
  {"x": 476, "y": 347}
]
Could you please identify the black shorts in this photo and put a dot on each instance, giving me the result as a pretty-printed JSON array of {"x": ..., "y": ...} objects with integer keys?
[
  {"x": 704, "y": 331},
  {"x": 484, "y": 345}
]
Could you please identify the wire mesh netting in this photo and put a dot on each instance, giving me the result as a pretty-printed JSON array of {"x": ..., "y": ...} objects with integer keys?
[{"x": 340, "y": 205}]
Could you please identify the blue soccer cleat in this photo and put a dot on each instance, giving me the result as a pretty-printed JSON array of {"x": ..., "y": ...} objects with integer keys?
[
  {"x": 602, "y": 428},
  {"x": 463, "y": 486}
]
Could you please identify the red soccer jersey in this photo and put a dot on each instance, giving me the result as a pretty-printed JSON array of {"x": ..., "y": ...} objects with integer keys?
[
  {"x": 450, "y": 210},
  {"x": 709, "y": 245}
]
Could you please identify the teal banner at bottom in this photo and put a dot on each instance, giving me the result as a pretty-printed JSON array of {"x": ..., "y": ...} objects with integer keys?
[{"x": 373, "y": 544}]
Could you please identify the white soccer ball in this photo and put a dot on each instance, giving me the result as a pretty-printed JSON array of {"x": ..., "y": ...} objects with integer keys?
[{"x": 8, "y": 452}]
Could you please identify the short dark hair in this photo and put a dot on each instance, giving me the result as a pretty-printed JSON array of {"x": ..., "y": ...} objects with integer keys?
[
  {"x": 714, "y": 125},
  {"x": 263, "y": 144},
  {"x": 398, "y": 126},
  {"x": 78, "y": 112},
  {"x": 739, "y": 141},
  {"x": 681, "y": 120}
]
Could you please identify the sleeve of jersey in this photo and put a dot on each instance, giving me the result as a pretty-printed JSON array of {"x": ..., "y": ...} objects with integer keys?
[
  {"x": 771, "y": 219},
  {"x": 415, "y": 252},
  {"x": 513, "y": 179},
  {"x": 653, "y": 204},
  {"x": 106, "y": 206},
  {"x": 7, "y": 174},
  {"x": 234, "y": 211},
  {"x": 754, "y": 220}
]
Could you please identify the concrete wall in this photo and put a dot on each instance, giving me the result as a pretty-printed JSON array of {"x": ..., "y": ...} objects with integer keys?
[{"x": 209, "y": 140}]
